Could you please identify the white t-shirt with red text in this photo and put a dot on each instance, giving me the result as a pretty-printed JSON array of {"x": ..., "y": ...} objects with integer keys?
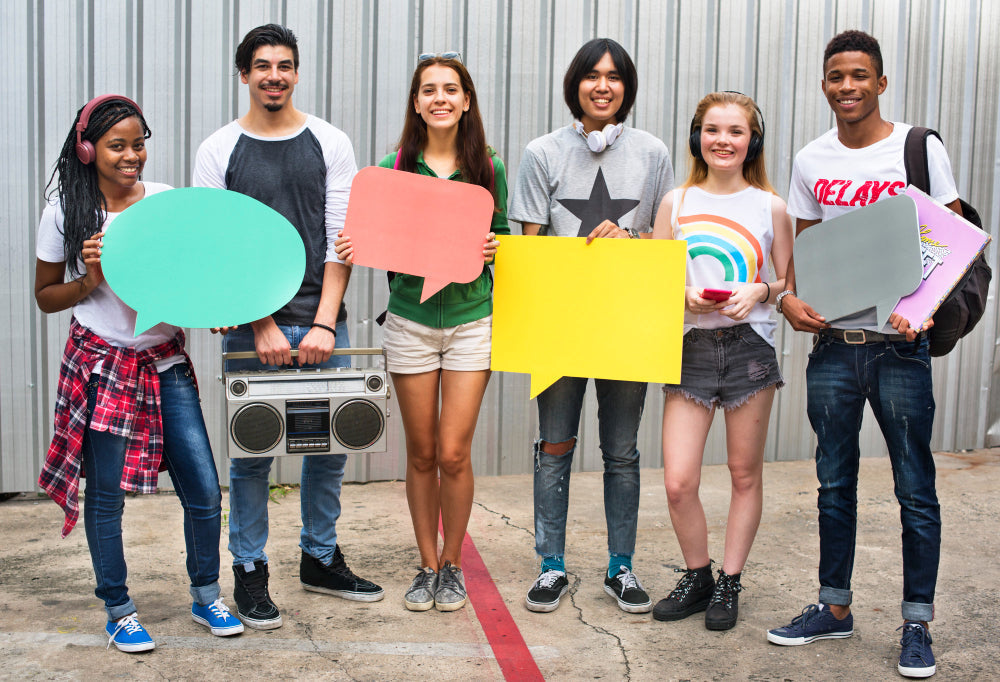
[{"x": 829, "y": 180}]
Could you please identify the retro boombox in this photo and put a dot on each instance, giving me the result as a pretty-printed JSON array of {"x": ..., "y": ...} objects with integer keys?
[{"x": 306, "y": 411}]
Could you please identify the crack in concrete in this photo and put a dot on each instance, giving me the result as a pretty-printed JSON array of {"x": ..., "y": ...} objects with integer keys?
[
  {"x": 597, "y": 628},
  {"x": 503, "y": 517},
  {"x": 317, "y": 650}
]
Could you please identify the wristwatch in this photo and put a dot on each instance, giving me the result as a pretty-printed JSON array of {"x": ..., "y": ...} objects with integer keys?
[
  {"x": 777, "y": 301},
  {"x": 632, "y": 234}
]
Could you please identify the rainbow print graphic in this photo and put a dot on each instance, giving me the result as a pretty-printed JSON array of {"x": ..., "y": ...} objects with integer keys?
[{"x": 726, "y": 241}]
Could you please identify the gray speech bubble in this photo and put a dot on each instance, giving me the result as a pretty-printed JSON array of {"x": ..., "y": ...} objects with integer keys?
[{"x": 863, "y": 259}]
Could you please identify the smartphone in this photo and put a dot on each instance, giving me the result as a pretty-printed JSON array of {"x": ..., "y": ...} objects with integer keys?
[{"x": 716, "y": 294}]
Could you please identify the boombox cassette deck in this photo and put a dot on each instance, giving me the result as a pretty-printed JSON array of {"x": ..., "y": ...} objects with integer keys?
[{"x": 306, "y": 411}]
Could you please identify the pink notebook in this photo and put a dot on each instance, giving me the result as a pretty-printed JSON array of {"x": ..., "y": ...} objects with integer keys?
[{"x": 948, "y": 244}]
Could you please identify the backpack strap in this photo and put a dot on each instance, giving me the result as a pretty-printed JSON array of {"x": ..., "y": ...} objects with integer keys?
[{"x": 915, "y": 158}]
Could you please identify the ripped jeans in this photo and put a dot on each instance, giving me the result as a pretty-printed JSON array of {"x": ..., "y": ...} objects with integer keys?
[
  {"x": 895, "y": 379},
  {"x": 620, "y": 405}
]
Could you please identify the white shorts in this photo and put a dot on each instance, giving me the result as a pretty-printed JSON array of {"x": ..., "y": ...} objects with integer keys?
[{"x": 414, "y": 348}]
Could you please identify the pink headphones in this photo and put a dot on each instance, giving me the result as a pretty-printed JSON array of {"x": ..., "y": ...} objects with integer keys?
[{"x": 84, "y": 148}]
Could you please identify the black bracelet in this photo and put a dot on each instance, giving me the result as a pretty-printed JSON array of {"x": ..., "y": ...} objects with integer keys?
[
  {"x": 768, "y": 295},
  {"x": 323, "y": 326}
]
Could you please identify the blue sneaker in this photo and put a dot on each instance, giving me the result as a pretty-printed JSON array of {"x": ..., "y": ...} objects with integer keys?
[
  {"x": 217, "y": 618},
  {"x": 916, "y": 659},
  {"x": 815, "y": 622},
  {"x": 128, "y": 635}
]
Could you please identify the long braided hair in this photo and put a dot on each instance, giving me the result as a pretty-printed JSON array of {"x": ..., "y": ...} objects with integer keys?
[{"x": 83, "y": 204}]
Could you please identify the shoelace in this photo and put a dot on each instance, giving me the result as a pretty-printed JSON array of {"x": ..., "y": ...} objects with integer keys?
[
  {"x": 684, "y": 585},
  {"x": 725, "y": 588},
  {"x": 256, "y": 586},
  {"x": 808, "y": 613},
  {"x": 220, "y": 610},
  {"x": 628, "y": 579},
  {"x": 548, "y": 579},
  {"x": 448, "y": 578},
  {"x": 912, "y": 631},
  {"x": 129, "y": 624},
  {"x": 424, "y": 579}
]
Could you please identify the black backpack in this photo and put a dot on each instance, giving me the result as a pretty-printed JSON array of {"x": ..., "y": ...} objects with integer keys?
[{"x": 963, "y": 308}]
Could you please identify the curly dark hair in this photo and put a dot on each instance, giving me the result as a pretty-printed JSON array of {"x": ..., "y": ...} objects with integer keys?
[
  {"x": 855, "y": 41},
  {"x": 75, "y": 183}
]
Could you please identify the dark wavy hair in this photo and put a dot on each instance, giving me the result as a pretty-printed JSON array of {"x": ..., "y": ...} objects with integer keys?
[
  {"x": 474, "y": 156},
  {"x": 268, "y": 34},
  {"x": 584, "y": 62},
  {"x": 83, "y": 204},
  {"x": 854, "y": 41}
]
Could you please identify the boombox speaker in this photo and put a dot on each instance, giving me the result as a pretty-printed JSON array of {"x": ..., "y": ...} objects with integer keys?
[{"x": 306, "y": 411}]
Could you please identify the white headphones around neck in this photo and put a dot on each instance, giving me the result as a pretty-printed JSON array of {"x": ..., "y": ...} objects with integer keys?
[{"x": 599, "y": 140}]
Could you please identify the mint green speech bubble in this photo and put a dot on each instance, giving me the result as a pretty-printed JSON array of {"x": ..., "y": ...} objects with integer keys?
[{"x": 201, "y": 257}]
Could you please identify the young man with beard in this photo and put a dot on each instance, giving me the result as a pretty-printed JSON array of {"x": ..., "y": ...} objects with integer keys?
[{"x": 302, "y": 167}]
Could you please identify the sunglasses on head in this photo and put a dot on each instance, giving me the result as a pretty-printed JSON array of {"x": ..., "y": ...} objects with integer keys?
[{"x": 423, "y": 57}]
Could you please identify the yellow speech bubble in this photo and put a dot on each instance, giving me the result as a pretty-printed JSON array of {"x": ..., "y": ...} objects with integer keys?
[{"x": 613, "y": 309}]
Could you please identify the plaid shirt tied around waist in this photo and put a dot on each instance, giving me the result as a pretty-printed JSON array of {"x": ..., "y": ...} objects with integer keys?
[{"x": 127, "y": 404}]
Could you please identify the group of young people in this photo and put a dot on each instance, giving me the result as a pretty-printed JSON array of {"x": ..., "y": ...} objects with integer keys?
[{"x": 128, "y": 405}]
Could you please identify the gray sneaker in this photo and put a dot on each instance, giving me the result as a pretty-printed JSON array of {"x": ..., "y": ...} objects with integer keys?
[
  {"x": 420, "y": 596},
  {"x": 450, "y": 593}
]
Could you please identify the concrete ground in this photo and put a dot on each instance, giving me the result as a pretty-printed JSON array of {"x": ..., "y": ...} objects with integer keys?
[{"x": 53, "y": 625}]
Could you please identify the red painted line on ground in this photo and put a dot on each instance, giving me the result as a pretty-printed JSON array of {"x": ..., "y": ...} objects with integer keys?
[
  {"x": 509, "y": 647},
  {"x": 505, "y": 639}
]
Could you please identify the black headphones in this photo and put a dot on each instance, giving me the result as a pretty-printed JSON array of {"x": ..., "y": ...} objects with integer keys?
[{"x": 755, "y": 147}]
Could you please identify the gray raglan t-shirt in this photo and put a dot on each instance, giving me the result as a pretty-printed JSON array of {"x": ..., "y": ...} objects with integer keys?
[
  {"x": 305, "y": 176},
  {"x": 570, "y": 189}
]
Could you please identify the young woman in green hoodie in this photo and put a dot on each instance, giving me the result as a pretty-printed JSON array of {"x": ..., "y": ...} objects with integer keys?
[{"x": 438, "y": 351}]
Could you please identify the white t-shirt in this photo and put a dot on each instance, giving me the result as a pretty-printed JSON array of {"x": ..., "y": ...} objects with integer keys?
[
  {"x": 102, "y": 312},
  {"x": 829, "y": 180},
  {"x": 729, "y": 240}
]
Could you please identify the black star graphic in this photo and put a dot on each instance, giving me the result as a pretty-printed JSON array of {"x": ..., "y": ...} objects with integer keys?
[{"x": 599, "y": 207}]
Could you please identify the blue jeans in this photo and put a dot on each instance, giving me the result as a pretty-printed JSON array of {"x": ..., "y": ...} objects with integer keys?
[
  {"x": 188, "y": 456},
  {"x": 620, "y": 405},
  {"x": 322, "y": 475},
  {"x": 895, "y": 379}
]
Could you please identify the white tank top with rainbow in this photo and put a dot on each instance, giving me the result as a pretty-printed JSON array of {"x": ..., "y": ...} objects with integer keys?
[{"x": 729, "y": 242}]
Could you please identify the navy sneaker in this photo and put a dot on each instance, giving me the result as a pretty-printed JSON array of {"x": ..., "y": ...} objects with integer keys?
[
  {"x": 217, "y": 618},
  {"x": 815, "y": 622},
  {"x": 916, "y": 659},
  {"x": 627, "y": 591},
  {"x": 128, "y": 635}
]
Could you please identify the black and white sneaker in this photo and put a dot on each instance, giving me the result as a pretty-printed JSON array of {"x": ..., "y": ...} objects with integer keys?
[
  {"x": 253, "y": 602},
  {"x": 336, "y": 579},
  {"x": 627, "y": 591},
  {"x": 547, "y": 590}
]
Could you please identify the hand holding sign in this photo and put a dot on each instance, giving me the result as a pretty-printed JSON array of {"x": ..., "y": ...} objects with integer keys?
[
  {"x": 419, "y": 225},
  {"x": 863, "y": 259},
  {"x": 200, "y": 257},
  {"x": 613, "y": 309}
]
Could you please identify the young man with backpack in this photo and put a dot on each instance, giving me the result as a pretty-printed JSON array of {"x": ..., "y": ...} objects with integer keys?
[{"x": 853, "y": 362}]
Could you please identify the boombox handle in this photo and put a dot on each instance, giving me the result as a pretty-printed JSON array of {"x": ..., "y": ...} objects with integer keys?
[{"x": 252, "y": 354}]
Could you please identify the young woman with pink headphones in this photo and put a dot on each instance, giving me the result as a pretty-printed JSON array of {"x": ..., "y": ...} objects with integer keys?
[{"x": 127, "y": 405}]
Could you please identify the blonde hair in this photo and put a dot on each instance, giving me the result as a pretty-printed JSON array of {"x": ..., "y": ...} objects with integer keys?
[{"x": 754, "y": 172}]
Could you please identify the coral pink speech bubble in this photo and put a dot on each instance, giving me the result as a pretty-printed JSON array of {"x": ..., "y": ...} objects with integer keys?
[{"x": 419, "y": 225}]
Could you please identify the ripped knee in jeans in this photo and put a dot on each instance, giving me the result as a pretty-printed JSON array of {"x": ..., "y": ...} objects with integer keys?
[{"x": 556, "y": 449}]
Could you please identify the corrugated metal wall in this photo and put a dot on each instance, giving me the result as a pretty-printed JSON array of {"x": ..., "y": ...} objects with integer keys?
[{"x": 175, "y": 58}]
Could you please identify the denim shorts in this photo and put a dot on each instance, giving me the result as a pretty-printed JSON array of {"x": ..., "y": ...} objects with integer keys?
[
  {"x": 726, "y": 366},
  {"x": 414, "y": 348}
]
